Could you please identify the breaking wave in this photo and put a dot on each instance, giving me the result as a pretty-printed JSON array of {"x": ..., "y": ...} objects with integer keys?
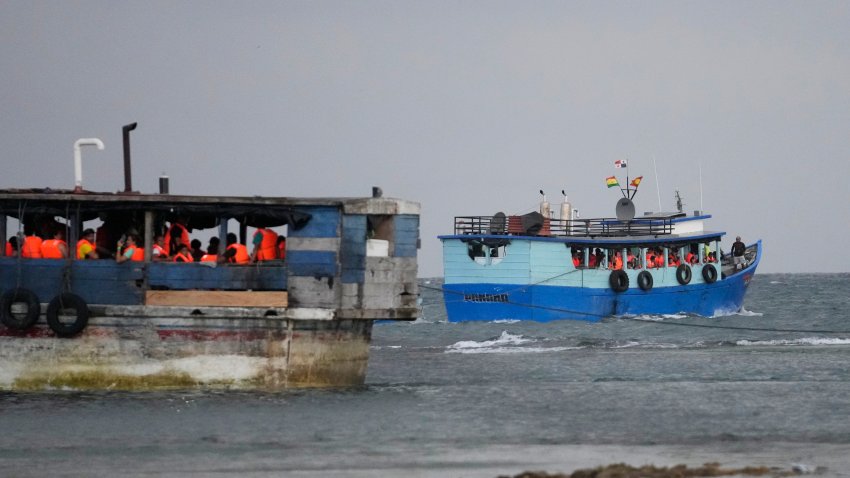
[
  {"x": 506, "y": 343},
  {"x": 802, "y": 341}
]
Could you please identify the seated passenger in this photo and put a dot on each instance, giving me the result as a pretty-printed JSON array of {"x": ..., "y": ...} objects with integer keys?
[
  {"x": 212, "y": 252},
  {"x": 32, "y": 244},
  {"x": 576, "y": 261},
  {"x": 158, "y": 250},
  {"x": 55, "y": 248},
  {"x": 236, "y": 253},
  {"x": 85, "y": 246},
  {"x": 129, "y": 250},
  {"x": 265, "y": 245},
  {"x": 281, "y": 247},
  {"x": 12, "y": 246},
  {"x": 177, "y": 234},
  {"x": 673, "y": 259},
  {"x": 592, "y": 261},
  {"x": 197, "y": 252},
  {"x": 617, "y": 263},
  {"x": 183, "y": 254},
  {"x": 659, "y": 257}
]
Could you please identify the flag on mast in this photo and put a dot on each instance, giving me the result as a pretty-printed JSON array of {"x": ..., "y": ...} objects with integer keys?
[
  {"x": 620, "y": 163},
  {"x": 636, "y": 181},
  {"x": 611, "y": 181}
]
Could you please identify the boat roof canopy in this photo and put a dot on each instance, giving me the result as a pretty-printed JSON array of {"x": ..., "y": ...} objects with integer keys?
[{"x": 202, "y": 211}]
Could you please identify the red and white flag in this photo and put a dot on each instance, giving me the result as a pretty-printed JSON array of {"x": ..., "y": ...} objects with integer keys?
[{"x": 620, "y": 163}]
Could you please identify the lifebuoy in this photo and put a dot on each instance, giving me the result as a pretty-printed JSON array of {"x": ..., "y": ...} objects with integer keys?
[
  {"x": 709, "y": 274},
  {"x": 19, "y": 321},
  {"x": 619, "y": 280},
  {"x": 683, "y": 274},
  {"x": 645, "y": 280},
  {"x": 63, "y": 302}
]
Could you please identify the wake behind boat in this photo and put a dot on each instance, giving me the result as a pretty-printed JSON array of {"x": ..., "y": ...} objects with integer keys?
[{"x": 536, "y": 267}]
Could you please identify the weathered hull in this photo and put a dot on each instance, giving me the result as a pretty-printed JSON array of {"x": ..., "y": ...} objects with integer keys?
[{"x": 149, "y": 353}]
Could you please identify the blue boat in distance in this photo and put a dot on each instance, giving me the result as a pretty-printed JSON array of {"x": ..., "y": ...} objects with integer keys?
[{"x": 535, "y": 267}]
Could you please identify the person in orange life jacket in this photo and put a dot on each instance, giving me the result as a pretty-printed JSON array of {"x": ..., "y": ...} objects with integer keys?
[
  {"x": 183, "y": 254},
  {"x": 659, "y": 257},
  {"x": 129, "y": 250},
  {"x": 281, "y": 247},
  {"x": 265, "y": 245},
  {"x": 55, "y": 248},
  {"x": 617, "y": 263},
  {"x": 691, "y": 257},
  {"x": 673, "y": 259},
  {"x": 85, "y": 246},
  {"x": 158, "y": 250},
  {"x": 32, "y": 244},
  {"x": 632, "y": 260},
  {"x": 650, "y": 258},
  {"x": 591, "y": 261},
  {"x": 212, "y": 251},
  {"x": 576, "y": 260},
  {"x": 196, "y": 250},
  {"x": 177, "y": 234},
  {"x": 236, "y": 253},
  {"x": 12, "y": 246}
]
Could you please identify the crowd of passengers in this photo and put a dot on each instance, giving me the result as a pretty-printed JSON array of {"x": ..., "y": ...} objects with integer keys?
[
  {"x": 654, "y": 258},
  {"x": 174, "y": 244}
]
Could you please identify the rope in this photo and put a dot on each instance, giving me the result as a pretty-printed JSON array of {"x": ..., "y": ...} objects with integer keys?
[{"x": 656, "y": 322}]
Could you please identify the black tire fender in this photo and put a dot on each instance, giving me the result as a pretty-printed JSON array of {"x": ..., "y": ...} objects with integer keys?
[
  {"x": 67, "y": 301},
  {"x": 645, "y": 281},
  {"x": 14, "y": 321},
  {"x": 619, "y": 280},
  {"x": 709, "y": 274},
  {"x": 683, "y": 274}
]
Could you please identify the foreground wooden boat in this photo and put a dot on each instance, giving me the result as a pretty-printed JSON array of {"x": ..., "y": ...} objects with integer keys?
[{"x": 305, "y": 321}]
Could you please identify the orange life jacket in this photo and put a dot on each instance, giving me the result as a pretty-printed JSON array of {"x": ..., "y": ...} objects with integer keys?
[
  {"x": 659, "y": 260},
  {"x": 576, "y": 262},
  {"x": 162, "y": 252},
  {"x": 209, "y": 258},
  {"x": 618, "y": 263},
  {"x": 138, "y": 254},
  {"x": 691, "y": 258},
  {"x": 184, "y": 257},
  {"x": 650, "y": 260},
  {"x": 9, "y": 250},
  {"x": 80, "y": 244},
  {"x": 183, "y": 239},
  {"x": 242, "y": 256},
  {"x": 268, "y": 247},
  {"x": 32, "y": 247},
  {"x": 50, "y": 249}
]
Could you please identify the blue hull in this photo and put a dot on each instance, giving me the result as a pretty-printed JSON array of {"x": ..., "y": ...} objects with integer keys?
[{"x": 544, "y": 303}]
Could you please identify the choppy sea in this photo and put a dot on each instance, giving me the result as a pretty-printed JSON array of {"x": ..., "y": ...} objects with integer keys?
[{"x": 768, "y": 386}]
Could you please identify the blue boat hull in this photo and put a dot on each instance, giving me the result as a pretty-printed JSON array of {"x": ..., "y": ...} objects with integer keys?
[{"x": 544, "y": 303}]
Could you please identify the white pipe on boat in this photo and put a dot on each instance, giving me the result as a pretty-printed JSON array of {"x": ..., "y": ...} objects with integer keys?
[{"x": 78, "y": 159}]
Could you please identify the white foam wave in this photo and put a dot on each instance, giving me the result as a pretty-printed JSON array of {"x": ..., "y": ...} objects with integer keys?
[
  {"x": 802, "y": 341},
  {"x": 660, "y": 318},
  {"x": 503, "y": 340},
  {"x": 512, "y": 350},
  {"x": 776, "y": 282},
  {"x": 505, "y": 321},
  {"x": 748, "y": 313}
]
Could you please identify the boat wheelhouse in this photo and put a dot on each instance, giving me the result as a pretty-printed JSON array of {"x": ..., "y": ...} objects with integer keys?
[{"x": 533, "y": 267}]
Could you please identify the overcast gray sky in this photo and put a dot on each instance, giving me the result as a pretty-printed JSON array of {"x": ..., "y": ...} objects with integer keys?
[{"x": 468, "y": 107}]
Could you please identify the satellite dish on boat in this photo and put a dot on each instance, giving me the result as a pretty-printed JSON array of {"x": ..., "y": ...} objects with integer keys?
[{"x": 625, "y": 209}]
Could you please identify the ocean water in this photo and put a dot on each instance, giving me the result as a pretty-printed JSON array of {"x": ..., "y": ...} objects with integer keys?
[{"x": 769, "y": 386}]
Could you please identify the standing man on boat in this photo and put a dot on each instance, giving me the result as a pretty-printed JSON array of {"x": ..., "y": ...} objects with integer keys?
[{"x": 738, "y": 249}]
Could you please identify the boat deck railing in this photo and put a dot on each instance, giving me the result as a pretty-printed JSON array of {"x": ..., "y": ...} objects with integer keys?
[{"x": 597, "y": 227}]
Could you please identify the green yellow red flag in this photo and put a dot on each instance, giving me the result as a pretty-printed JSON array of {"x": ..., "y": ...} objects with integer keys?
[{"x": 611, "y": 181}]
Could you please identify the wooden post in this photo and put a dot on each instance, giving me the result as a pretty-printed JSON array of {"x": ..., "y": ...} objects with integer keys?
[
  {"x": 148, "y": 236},
  {"x": 222, "y": 236},
  {"x": 75, "y": 225},
  {"x": 243, "y": 232}
]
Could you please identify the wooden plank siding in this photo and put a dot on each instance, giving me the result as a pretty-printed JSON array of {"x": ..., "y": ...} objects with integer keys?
[
  {"x": 179, "y": 276},
  {"x": 352, "y": 252},
  {"x": 209, "y": 298},
  {"x": 406, "y": 235}
]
